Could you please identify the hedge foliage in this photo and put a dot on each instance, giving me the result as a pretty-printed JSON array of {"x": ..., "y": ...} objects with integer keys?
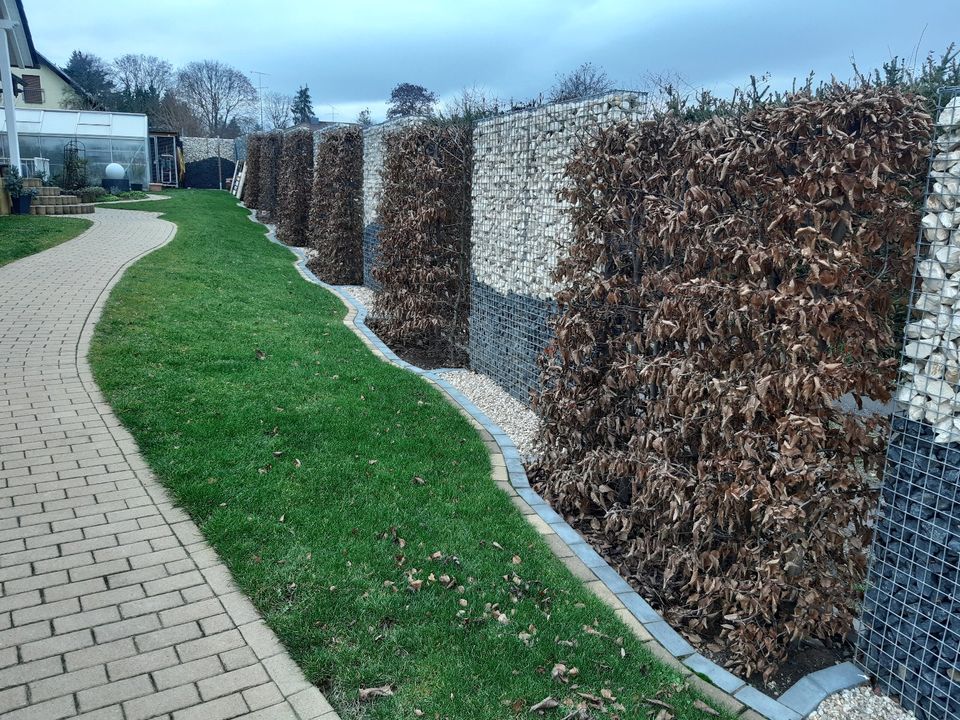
[
  {"x": 267, "y": 185},
  {"x": 730, "y": 282},
  {"x": 423, "y": 262},
  {"x": 294, "y": 186},
  {"x": 251, "y": 182},
  {"x": 336, "y": 207}
]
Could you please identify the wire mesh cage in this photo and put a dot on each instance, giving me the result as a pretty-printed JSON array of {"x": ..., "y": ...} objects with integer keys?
[{"x": 910, "y": 625}]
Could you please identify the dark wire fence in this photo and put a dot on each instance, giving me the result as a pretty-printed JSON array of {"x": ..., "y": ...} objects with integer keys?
[{"x": 910, "y": 626}]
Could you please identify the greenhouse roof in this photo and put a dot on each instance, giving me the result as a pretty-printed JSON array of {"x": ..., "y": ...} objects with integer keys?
[{"x": 79, "y": 123}]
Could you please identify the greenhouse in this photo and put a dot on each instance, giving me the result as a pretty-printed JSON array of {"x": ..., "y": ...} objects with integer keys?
[{"x": 99, "y": 138}]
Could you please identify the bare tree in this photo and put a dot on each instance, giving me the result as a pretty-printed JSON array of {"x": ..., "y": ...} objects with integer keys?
[
  {"x": 585, "y": 80},
  {"x": 141, "y": 81},
  {"x": 276, "y": 109},
  {"x": 472, "y": 103},
  {"x": 174, "y": 114},
  {"x": 216, "y": 92}
]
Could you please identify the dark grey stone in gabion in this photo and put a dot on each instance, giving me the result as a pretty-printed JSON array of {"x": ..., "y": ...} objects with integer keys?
[
  {"x": 508, "y": 333},
  {"x": 910, "y": 627},
  {"x": 371, "y": 242}
]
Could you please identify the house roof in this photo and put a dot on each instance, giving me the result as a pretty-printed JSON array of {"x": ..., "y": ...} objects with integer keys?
[
  {"x": 22, "y": 51},
  {"x": 77, "y": 88}
]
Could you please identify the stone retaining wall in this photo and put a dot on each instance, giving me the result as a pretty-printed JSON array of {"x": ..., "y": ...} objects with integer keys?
[{"x": 520, "y": 228}]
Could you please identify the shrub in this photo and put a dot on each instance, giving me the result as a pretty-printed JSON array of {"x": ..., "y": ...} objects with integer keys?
[
  {"x": 423, "y": 261},
  {"x": 336, "y": 207},
  {"x": 91, "y": 194},
  {"x": 251, "y": 182},
  {"x": 294, "y": 186},
  {"x": 729, "y": 282}
]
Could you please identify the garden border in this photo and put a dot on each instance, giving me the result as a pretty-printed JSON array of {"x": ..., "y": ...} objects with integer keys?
[{"x": 714, "y": 682}]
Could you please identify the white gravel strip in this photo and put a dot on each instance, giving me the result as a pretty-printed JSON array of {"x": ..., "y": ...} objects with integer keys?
[
  {"x": 361, "y": 293},
  {"x": 860, "y": 703},
  {"x": 517, "y": 420}
]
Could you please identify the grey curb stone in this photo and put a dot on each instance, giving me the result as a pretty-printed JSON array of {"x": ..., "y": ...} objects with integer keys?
[
  {"x": 765, "y": 705},
  {"x": 809, "y": 691},
  {"x": 723, "y": 679},
  {"x": 670, "y": 639}
]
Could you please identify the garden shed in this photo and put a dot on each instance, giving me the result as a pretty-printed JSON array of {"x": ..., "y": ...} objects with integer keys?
[{"x": 101, "y": 137}]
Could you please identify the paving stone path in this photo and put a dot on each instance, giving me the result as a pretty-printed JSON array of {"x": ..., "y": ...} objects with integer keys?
[{"x": 111, "y": 604}]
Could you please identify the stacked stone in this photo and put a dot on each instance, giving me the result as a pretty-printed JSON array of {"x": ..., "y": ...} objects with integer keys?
[
  {"x": 521, "y": 228},
  {"x": 374, "y": 153},
  {"x": 196, "y": 149},
  {"x": 910, "y": 628},
  {"x": 929, "y": 392}
]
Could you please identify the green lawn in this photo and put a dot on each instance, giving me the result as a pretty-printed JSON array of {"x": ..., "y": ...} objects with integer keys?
[
  {"x": 296, "y": 451},
  {"x": 22, "y": 235}
]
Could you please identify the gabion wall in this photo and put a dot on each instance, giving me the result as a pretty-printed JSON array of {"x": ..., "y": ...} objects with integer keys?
[
  {"x": 373, "y": 156},
  {"x": 520, "y": 226},
  {"x": 910, "y": 637},
  {"x": 200, "y": 155},
  {"x": 196, "y": 149}
]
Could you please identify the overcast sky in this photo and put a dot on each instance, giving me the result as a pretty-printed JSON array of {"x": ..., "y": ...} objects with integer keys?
[{"x": 352, "y": 52}]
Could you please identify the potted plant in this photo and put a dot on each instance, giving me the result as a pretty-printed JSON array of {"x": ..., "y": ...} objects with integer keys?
[{"x": 20, "y": 197}]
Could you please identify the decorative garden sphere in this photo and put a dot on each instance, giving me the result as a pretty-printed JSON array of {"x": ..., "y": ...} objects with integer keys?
[{"x": 115, "y": 171}]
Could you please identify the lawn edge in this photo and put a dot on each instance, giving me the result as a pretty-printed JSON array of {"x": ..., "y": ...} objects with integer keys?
[
  {"x": 92, "y": 224},
  {"x": 722, "y": 688},
  {"x": 306, "y": 699}
]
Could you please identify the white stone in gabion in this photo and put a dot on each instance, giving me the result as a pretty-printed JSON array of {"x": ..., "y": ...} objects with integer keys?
[
  {"x": 931, "y": 389},
  {"x": 522, "y": 225},
  {"x": 949, "y": 117}
]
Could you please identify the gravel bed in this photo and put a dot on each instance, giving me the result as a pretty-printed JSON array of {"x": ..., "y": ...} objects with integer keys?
[
  {"x": 517, "y": 420},
  {"x": 361, "y": 293},
  {"x": 860, "y": 703}
]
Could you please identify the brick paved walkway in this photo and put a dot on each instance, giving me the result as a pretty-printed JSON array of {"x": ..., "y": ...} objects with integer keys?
[{"x": 111, "y": 604}]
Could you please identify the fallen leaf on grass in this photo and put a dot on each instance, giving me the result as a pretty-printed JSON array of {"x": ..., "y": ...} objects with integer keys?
[
  {"x": 704, "y": 708},
  {"x": 663, "y": 715},
  {"x": 659, "y": 704},
  {"x": 297, "y": 463},
  {"x": 548, "y": 703},
  {"x": 417, "y": 480},
  {"x": 261, "y": 355},
  {"x": 375, "y": 692}
]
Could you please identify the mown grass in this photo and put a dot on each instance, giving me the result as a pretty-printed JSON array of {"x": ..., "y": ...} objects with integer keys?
[
  {"x": 22, "y": 235},
  {"x": 300, "y": 469}
]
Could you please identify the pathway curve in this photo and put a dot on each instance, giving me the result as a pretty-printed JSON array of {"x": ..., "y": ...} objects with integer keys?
[{"x": 112, "y": 606}]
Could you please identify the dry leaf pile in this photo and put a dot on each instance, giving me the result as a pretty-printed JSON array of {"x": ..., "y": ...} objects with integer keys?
[
  {"x": 423, "y": 261},
  {"x": 251, "y": 183},
  {"x": 336, "y": 207},
  {"x": 294, "y": 184},
  {"x": 729, "y": 282}
]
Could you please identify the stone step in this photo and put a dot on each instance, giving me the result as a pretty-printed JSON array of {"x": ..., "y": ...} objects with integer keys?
[
  {"x": 56, "y": 200},
  {"x": 32, "y": 183},
  {"x": 49, "y": 191},
  {"x": 71, "y": 209}
]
